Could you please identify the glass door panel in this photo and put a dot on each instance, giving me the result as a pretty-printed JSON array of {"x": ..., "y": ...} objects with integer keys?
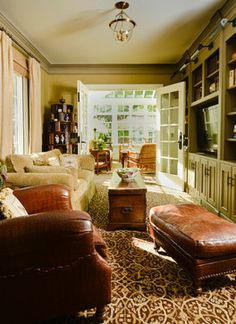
[
  {"x": 170, "y": 154},
  {"x": 82, "y": 106},
  {"x": 174, "y": 99}
]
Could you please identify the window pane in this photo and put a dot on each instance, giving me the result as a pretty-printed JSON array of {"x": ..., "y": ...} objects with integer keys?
[
  {"x": 128, "y": 115},
  {"x": 20, "y": 114}
]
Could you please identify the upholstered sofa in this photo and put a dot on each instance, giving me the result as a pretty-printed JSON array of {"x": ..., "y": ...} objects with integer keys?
[
  {"x": 53, "y": 260},
  {"x": 52, "y": 167}
]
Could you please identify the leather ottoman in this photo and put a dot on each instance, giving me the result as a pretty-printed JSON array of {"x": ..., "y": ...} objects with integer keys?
[{"x": 201, "y": 242}]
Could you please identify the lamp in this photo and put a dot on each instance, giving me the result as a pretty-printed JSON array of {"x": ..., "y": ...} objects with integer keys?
[
  {"x": 122, "y": 25},
  {"x": 224, "y": 21},
  {"x": 194, "y": 56}
]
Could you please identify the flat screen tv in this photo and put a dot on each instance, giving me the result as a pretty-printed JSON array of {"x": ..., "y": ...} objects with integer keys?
[{"x": 207, "y": 129}]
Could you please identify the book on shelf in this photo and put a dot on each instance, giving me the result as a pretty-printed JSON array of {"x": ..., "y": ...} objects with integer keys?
[{"x": 232, "y": 77}]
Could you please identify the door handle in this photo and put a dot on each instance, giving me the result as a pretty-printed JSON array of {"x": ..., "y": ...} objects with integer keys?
[
  {"x": 180, "y": 140},
  {"x": 185, "y": 140}
]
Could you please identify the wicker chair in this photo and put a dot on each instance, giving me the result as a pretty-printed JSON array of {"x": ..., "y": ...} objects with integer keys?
[{"x": 145, "y": 159}]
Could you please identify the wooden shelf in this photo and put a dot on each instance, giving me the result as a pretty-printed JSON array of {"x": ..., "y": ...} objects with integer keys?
[
  {"x": 230, "y": 139},
  {"x": 232, "y": 62},
  {"x": 197, "y": 84},
  {"x": 62, "y": 128},
  {"x": 205, "y": 99},
  {"x": 232, "y": 88},
  {"x": 213, "y": 74},
  {"x": 232, "y": 113}
]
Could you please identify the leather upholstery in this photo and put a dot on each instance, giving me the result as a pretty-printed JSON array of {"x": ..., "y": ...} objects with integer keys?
[
  {"x": 199, "y": 232},
  {"x": 201, "y": 242},
  {"x": 52, "y": 262}
]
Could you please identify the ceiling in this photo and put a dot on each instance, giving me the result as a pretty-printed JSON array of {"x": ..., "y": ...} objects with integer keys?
[{"x": 77, "y": 32}]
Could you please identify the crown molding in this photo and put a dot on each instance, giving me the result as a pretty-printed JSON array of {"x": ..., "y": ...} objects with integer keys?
[
  {"x": 157, "y": 69},
  {"x": 22, "y": 43},
  {"x": 212, "y": 29}
]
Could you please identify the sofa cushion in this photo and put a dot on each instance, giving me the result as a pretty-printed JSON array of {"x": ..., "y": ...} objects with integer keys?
[
  {"x": 47, "y": 169},
  {"x": 55, "y": 169},
  {"x": 10, "y": 206},
  {"x": 86, "y": 175}
]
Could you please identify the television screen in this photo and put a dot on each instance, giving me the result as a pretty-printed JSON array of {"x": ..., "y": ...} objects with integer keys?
[{"x": 207, "y": 129}]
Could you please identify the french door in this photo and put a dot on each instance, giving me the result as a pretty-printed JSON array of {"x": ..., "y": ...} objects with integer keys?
[
  {"x": 82, "y": 107},
  {"x": 170, "y": 132}
]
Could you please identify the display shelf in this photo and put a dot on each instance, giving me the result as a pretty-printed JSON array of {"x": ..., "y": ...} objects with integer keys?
[
  {"x": 211, "y": 82},
  {"x": 231, "y": 139},
  {"x": 63, "y": 129}
]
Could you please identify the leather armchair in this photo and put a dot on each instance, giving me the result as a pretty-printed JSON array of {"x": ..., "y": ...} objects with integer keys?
[
  {"x": 52, "y": 261},
  {"x": 145, "y": 159}
]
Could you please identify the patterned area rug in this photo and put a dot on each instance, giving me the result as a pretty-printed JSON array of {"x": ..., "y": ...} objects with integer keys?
[{"x": 149, "y": 287}]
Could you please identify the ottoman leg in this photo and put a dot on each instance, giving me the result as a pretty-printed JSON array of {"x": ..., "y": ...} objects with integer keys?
[
  {"x": 156, "y": 246},
  {"x": 197, "y": 286}
]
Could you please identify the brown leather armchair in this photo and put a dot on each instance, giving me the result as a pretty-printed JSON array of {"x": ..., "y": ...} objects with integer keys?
[
  {"x": 145, "y": 159},
  {"x": 52, "y": 261}
]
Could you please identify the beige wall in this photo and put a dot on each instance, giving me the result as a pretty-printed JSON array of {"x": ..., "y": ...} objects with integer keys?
[{"x": 56, "y": 86}]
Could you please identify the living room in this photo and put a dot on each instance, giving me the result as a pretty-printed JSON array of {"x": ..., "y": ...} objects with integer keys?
[{"x": 71, "y": 52}]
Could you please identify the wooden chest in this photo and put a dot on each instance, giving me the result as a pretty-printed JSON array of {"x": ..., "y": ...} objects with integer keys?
[{"x": 127, "y": 204}]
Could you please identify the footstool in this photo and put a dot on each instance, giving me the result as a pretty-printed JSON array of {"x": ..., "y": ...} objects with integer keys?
[{"x": 203, "y": 243}]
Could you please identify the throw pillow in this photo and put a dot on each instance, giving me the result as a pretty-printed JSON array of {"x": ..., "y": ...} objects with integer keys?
[
  {"x": 19, "y": 162},
  {"x": 10, "y": 206},
  {"x": 53, "y": 161},
  {"x": 53, "y": 157},
  {"x": 70, "y": 160},
  {"x": 39, "y": 159}
]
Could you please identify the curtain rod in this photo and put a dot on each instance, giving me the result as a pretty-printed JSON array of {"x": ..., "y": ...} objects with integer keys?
[{"x": 18, "y": 44}]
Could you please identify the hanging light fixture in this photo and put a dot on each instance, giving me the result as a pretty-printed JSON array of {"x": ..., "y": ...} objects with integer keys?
[{"x": 122, "y": 25}]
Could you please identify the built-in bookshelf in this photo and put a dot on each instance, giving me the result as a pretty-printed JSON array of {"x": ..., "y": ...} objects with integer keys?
[
  {"x": 197, "y": 84},
  {"x": 230, "y": 100},
  {"x": 212, "y": 74}
]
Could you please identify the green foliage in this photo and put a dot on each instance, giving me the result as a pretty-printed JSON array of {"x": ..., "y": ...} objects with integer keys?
[{"x": 3, "y": 174}]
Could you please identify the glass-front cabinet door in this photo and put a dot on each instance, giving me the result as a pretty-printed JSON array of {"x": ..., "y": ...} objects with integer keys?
[{"x": 170, "y": 153}]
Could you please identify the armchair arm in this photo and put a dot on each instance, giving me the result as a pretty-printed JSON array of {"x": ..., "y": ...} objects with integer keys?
[
  {"x": 44, "y": 198},
  {"x": 34, "y": 179},
  {"x": 46, "y": 241},
  {"x": 133, "y": 155},
  {"x": 87, "y": 162}
]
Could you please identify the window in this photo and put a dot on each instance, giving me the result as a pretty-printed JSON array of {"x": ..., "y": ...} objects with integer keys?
[
  {"x": 124, "y": 116},
  {"x": 20, "y": 114}
]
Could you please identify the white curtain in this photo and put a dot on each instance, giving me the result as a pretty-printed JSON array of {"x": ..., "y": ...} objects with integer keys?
[
  {"x": 6, "y": 95},
  {"x": 35, "y": 113}
]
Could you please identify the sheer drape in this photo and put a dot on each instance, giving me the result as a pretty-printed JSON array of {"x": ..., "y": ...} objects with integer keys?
[
  {"x": 35, "y": 114},
  {"x": 6, "y": 95}
]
